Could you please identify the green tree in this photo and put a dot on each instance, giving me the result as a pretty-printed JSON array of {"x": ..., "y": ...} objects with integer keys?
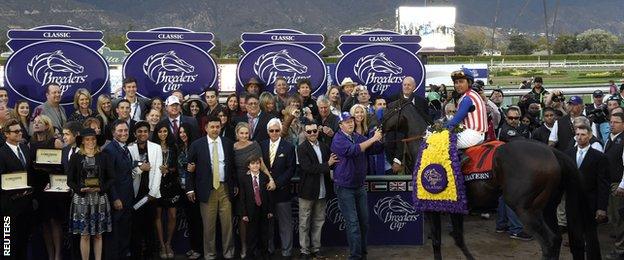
[
  {"x": 3, "y": 41},
  {"x": 597, "y": 41},
  {"x": 115, "y": 41},
  {"x": 217, "y": 50},
  {"x": 233, "y": 50},
  {"x": 520, "y": 45},
  {"x": 331, "y": 46},
  {"x": 469, "y": 43},
  {"x": 565, "y": 44}
]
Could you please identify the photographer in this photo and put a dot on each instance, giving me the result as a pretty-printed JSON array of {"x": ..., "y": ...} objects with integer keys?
[
  {"x": 597, "y": 113},
  {"x": 556, "y": 101}
]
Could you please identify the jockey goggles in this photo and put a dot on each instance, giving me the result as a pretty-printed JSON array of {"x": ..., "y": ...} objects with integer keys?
[{"x": 461, "y": 74}]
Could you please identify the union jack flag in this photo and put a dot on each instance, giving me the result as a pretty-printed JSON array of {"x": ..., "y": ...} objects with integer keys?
[{"x": 398, "y": 186}]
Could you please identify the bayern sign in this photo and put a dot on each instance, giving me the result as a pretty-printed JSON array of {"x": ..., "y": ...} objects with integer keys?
[
  {"x": 288, "y": 54},
  {"x": 55, "y": 54},
  {"x": 380, "y": 60},
  {"x": 168, "y": 59}
]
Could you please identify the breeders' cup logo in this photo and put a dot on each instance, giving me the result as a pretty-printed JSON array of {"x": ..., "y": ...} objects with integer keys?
[
  {"x": 269, "y": 65},
  {"x": 290, "y": 61},
  {"x": 168, "y": 69},
  {"x": 334, "y": 215},
  {"x": 381, "y": 68},
  {"x": 395, "y": 212},
  {"x": 55, "y": 67},
  {"x": 377, "y": 70}
]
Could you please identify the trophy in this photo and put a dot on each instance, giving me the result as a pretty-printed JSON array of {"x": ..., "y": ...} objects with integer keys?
[{"x": 91, "y": 173}]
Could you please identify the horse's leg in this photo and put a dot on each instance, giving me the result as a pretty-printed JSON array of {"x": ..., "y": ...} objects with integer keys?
[
  {"x": 458, "y": 234},
  {"x": 436, "y": 233},
  {"x": 536, "y": 224},
  {"x": 550, "y": 217}
]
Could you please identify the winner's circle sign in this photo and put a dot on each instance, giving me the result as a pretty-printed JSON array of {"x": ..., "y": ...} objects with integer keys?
[{"x": 55, "y": 54}]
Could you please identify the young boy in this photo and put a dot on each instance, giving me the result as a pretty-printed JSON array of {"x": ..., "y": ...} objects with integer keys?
[{"x": 256, "y": 209}]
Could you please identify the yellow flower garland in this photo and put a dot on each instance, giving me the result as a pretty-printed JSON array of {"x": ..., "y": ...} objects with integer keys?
[{"x": 437, "y": 152}]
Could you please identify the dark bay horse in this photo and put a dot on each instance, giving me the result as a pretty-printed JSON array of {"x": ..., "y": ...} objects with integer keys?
[{"x": 531, "y": 178}]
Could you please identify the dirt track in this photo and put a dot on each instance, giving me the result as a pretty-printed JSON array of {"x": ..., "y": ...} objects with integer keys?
[{"x": 483, "y": 242}]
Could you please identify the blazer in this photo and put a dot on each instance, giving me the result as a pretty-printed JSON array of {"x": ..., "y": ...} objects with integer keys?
[
  {"x": 74, "y": 172},
  {"x": 201, "y": 180},
  {"x": 260, "y": 132},
  {"x": 122, "y": 185},
  {"x": 11, "y": 201},
  {"x": 144, "y": 103},
  {"x": 65, "y": 157},
  {"x": 283, "y": 168},
  {"x": 154, "y": 156},
  {"x": 594, "y": 177},
  {"x": 310, "y": 171},
  {"x": 247, "y": 203}
]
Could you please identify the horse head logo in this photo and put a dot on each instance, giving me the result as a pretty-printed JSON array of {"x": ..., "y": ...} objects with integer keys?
[
  {"x": 433, "y": 176},
  {"x": 51, "y": 61},
  {"x": 277, "y": 61},
  {"x": 376, "y": 63},
  {"x": 395, "y": 205},
  {"x": 165, "y": 61},
  {"x": 334, "y": 215}
]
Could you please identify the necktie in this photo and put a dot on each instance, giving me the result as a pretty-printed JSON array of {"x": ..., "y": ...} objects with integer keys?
[
  {"x": 127, "y": 152},
  {"x": 256, "y": 188},
  {"x": 579, "y": 158},
  {"x": 215, "y": 165},
  {"x": 250, "y": 120},
  {"x": 272, "y": 151},
  {"x": 175, "y": 127},
  {"x": 21, "y": 157}
]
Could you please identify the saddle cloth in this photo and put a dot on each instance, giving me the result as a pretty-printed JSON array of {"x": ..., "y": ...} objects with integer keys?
[{"x": 479, "y": 167}]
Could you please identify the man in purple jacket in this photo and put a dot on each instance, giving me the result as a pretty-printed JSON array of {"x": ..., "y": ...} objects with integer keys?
[{"x": 352, "y": 150}]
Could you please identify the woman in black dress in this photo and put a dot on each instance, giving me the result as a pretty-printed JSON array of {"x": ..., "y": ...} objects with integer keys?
[
  {"x": 169, "y": 187},
  {"x": 52, "y": 211},
  {"x": 191, "y": 209},
  {"x": 90, "y": 210}
]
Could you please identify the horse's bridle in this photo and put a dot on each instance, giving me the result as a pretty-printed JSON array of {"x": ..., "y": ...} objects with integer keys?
[{"x": 399, "y": 109}]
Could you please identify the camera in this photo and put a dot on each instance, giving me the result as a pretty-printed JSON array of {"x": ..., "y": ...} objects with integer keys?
[{"x": 598, "y": 115}]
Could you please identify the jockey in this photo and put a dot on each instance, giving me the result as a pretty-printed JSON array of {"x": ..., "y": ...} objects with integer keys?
[{"x": 471, "y": 111}]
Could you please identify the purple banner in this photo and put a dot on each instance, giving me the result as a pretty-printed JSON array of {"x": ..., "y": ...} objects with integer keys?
[
  {"x": 167, "y": 59},
  {"x": 72, "y": 62},
  {"x": 380, "y": 61},
  {"x": 290, "y": 54}
]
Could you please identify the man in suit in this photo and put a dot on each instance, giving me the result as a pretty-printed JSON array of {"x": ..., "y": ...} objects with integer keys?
[
  {"x": 281, "y": 157},
  {"x": 139, "y": 106},
  {"x": 147, "y": 157},
  {"x": 175, "y": 118},
  {"x": 16, "y": 204},
  {"x": 593, "y": 166},
  {"x": 256, "y": 119},
  {"x": 117, "y": 243},
  {"x": 123, "y": 114},
  {"x": 315, "y": 187},
  {"x": 614, "y": 150},
  {"x": 212, "y": 181}
]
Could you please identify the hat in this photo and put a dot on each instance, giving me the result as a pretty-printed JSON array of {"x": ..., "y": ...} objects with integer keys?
[
  {"x": 140, "y": 124},
  {"x": 575, "y": 100},
  {"x": 598, "y": 93},
  {"x": 347, "y": 81},
  {"x": 538, "y": 80},
  {"x": 172, "y": 100},
  {"x": 344, "y": 116},
  {"x": 84, "y": 133},
  {"x": 464, "y": 73}
]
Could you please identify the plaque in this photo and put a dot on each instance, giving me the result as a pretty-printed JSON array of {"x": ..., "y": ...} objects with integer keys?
[
  {"x": 92, "y": 182},
  {"x": 48, "y": 156},
  {"x": 58, "y": 183},
  {"x": 15, "y": 181}
]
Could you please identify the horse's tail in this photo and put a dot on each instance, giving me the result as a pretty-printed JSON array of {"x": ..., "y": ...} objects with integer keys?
[{"x": 581, "y": 224}]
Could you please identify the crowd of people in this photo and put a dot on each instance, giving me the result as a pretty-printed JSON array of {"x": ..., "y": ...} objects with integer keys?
[{"x": 131, "y": 163}]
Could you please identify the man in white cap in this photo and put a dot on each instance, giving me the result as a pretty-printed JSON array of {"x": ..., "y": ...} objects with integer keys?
[
  {"x": 174, "y": 118},
  {"x": 349, "y": 92}
]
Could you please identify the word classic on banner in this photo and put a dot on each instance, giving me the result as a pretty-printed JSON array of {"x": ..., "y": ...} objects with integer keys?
[
  {"x": 58, "y": 54},
  {"x": 289, "y": 54},
  {"x": 170, "y": 58},
  {"x": 380, "y": 60}
]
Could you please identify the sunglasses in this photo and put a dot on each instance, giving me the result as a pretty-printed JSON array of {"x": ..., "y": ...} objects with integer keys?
[
  {"x": 274, "y": 130},
  {"x": 513, "y": 117},
  {"x": 313, "y": 131}
]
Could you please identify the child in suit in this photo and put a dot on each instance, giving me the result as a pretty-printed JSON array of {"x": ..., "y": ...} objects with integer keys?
[{"x": 256, "y": 209}]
